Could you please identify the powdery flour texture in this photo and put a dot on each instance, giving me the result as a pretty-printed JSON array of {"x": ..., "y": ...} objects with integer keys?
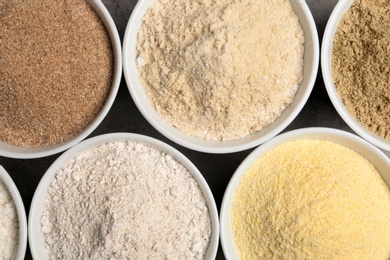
[
  {"x": 125, "y": 200},
  {"x": 9, "y": 226},
  {"x": 220, "y": 69},
  {"x": 312, "y": 199}
]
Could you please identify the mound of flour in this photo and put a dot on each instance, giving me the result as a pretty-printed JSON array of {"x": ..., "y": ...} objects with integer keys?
[
  {"x": 220, "y": 69},
  {"x": 125, "y": 200}
]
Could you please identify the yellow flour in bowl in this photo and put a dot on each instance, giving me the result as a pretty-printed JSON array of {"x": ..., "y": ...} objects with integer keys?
[{"x": 312, "y": 199}]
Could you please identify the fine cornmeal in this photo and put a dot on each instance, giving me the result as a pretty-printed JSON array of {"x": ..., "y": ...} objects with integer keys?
[
  {"x": 9, "y": 226},
  {"x": 361, "y": 64},
  {"x": 312, "y": 199},
  {"x": 220, "y": 69},
  {"x": 56, "y": 67},
  {"x": 125, "y": 200}
]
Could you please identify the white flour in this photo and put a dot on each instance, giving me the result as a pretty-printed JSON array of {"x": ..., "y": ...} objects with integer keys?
[
  {"x": 8, "y": 225},
  {"x": 125, "y": 200}
]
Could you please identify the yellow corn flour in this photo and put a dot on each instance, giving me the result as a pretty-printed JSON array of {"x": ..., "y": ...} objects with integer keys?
[{"x": 312, "y": 199}]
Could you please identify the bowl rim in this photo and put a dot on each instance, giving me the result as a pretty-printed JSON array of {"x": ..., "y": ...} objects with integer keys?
[
  {"x": 221, "y": 147},
  {"x": 347, "y": 139},
  {"x": 12, "y": 151},
  {"x": 326, "y": 61},
  {"x": 19, "y": 206},
  {"x": 34, "y": 225}
]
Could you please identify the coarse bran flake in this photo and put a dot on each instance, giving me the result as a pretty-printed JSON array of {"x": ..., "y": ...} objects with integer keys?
[
  {"x": 56, "y": 66},
  {"x": 220, "y": 69}
]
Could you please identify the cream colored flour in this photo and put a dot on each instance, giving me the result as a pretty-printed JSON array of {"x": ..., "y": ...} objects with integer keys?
[
  {"x": 312, "y": 199},
  {"x": 220, "y": 69}
]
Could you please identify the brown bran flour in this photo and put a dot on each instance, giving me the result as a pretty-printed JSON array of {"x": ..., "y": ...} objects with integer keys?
[
  {"x": 56, "y": 67},
  {"x": 361, "y": 64}
]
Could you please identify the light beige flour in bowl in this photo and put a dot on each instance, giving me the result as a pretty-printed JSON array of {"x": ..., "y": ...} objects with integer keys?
[{"x": 220, "y": 69}]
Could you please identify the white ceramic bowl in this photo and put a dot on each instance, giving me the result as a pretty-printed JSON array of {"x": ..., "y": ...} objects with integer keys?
[
  {"x": 326, "y": 65},
  {"x": 370, "y": 152},
  {"x": 35, "y": 234},
  {"x": 12, "y": 151},
  {"x": 22, "y": 220},
  {"x": 311, "y": 60}
]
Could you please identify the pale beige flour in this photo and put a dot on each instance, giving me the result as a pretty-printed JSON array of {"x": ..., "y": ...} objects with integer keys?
[{"x": 220, "y": 69}]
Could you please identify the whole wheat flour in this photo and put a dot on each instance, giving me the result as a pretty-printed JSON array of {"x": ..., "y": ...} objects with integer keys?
[
  {"x": 9, "y": 226},
  {"x": 125, "y": 200},
  {"x": 220, "y": 69},
  {"x": 361, "y": 64}
]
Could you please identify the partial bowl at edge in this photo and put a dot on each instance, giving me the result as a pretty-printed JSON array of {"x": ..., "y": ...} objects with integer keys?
[
  {"x": 326, "y": 66},
  {"x": 21, "y": 213}
]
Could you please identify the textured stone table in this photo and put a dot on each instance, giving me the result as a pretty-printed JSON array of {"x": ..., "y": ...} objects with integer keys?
[{"x": 125, "y": 117}]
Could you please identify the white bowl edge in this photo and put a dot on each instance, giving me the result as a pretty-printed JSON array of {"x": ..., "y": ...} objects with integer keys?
[
  {"x": 219, "y": 147},
  {"x": 36, "y": 239},
  {"x": 22, "y": 219},
  {"x": 15, "y": 152},
  {"x": 326, "y": 65},
  {"x": 359, "y": 145}
]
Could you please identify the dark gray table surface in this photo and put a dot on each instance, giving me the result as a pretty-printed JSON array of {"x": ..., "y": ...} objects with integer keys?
[{"x": 125, "y": 117}]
